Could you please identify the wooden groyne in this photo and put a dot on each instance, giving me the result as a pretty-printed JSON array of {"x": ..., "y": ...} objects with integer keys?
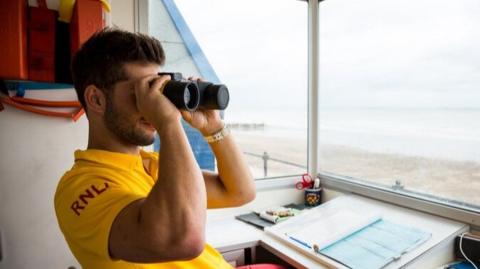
[{"x": 246, "y": 126}]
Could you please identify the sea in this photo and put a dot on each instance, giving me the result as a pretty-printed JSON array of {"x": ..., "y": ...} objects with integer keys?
[{"x": 440, "y": 133}]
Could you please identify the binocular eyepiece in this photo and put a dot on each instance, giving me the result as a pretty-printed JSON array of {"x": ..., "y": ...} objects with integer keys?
[{"x": 192, "y": 95}]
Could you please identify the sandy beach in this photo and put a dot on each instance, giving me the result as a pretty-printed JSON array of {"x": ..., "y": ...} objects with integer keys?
[{"x": 458, "y": 180}]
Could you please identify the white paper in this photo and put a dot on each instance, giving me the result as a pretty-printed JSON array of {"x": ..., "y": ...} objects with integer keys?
[{"x": 329, "y": 229}]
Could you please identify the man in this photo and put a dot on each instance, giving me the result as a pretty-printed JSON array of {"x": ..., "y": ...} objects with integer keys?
[{"x": 122, "y": 207}]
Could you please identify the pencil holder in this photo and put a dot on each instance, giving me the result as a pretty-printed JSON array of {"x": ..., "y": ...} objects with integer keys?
[{"x": 313, "y": 197}]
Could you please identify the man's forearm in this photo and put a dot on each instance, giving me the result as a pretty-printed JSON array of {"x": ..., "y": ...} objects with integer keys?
[
  {"x": 178, "y": 199},
  {"x": 234, "y": 172}
]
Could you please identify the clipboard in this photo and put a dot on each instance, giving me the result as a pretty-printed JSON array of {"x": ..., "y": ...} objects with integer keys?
[{"x": 337, "y": 233}]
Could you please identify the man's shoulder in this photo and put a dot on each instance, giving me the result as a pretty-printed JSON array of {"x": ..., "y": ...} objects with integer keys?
[
  {"x": 84, "y": 177},
  {"x": 86, "y": 192},
  {"x": 81, "y": 172}
]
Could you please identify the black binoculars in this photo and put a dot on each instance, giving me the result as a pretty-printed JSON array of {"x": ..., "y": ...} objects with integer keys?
[{"x": 192, "y": 95}]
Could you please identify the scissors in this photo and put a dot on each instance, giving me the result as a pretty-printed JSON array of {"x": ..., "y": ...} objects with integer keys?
[{"x": 306, "y": 183}]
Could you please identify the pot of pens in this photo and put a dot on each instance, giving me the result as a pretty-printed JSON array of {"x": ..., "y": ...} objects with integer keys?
[{"x": 312, "y": 189}]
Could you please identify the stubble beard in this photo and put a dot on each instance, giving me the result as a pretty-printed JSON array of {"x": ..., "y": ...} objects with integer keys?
[{"x": 128, "y": 132}]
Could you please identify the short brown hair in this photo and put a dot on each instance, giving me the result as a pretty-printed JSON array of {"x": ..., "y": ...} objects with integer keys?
[{"x": 101, "y": 58}]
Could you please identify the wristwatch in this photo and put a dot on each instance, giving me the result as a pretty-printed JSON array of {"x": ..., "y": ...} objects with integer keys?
[{"x": 218, "y": 136}]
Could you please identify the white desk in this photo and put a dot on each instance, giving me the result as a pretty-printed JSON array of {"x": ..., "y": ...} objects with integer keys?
[{"x": 228, "y": 234}]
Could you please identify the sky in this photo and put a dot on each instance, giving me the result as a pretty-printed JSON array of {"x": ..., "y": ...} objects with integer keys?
[
  {"x": 423, "y": 54},
  {"x": 373, "y": 53},
  {"x": 258, "y": 48}
]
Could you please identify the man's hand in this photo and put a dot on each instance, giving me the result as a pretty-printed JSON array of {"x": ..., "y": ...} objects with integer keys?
[
  {"x": 207, "y": 122},
  {"x": 152, "y": 104}
]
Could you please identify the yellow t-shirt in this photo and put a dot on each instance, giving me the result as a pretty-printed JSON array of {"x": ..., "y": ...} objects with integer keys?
[{"x": 91, "y": 194}]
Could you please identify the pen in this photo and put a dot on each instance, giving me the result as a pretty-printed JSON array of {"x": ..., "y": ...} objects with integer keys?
[
  {"x": 316, "y": 185},
  {"x": 299, "y": 241}
]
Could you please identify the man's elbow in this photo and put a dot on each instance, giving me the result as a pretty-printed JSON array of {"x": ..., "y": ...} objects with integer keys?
[
  {"x": 250, "y": 192},
  {"x": 244, "y": 197},
  {"x": 191, "y": 248},
  {"x": 179, "y": 246},
  {"x": 250, "y": 196}
]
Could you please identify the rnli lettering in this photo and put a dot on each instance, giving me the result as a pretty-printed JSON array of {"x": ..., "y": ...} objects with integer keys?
[{"x": 89, "y": 194}]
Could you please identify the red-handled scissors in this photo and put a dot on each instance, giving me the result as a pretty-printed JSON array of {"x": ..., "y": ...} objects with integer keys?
[{"x": 306, "y": 183}]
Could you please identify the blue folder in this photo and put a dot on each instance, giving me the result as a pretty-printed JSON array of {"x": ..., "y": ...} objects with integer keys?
[{"x": 376, "y": 245}]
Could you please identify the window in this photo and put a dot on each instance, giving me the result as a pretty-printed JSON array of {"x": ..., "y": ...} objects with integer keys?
[
  {"x": 258, "y": 48},
  {"x": 399, "y": 96}
]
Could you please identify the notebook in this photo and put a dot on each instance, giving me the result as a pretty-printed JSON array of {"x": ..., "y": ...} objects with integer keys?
[{"x": 345, "y": 234}]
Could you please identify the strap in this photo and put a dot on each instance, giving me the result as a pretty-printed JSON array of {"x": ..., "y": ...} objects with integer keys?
[
  {"x": 74, "y": 115},
  {"x": 38, "y": 102},
  {"x": 218, "y": 136}
]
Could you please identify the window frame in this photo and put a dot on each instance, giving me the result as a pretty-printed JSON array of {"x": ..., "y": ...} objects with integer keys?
[
  {"x": 342, "y": 184},
  {"x": 345, "y": 184}
]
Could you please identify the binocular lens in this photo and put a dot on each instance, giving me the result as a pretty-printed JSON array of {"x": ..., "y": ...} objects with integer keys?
[
  {"x": 184, "y": 95},
  {"x": 191, "y": 97},
  {"x": 214, "y": 96},
  {"x": 223, "y": 97}
]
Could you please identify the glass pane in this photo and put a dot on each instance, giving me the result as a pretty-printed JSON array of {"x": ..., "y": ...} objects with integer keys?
[
  {"x": 400, "y": 99},
  {"x": 258, "y": 48}
]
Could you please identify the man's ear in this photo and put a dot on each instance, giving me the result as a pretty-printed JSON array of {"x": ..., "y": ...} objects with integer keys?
[{"x": 95, "y": 99}]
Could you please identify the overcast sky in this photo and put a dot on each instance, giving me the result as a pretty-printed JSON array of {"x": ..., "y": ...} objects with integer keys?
[{"x": 424, "y": 53}]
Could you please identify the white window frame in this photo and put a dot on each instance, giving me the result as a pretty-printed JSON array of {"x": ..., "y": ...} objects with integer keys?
[
  {"x": 141, "y": 17},
  {"x": 333, "y": 182},
  {"x": 346, "y": 184}
]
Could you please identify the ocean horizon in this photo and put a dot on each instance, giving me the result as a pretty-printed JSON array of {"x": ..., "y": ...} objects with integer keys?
[{"x": 444, "y": 133}]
